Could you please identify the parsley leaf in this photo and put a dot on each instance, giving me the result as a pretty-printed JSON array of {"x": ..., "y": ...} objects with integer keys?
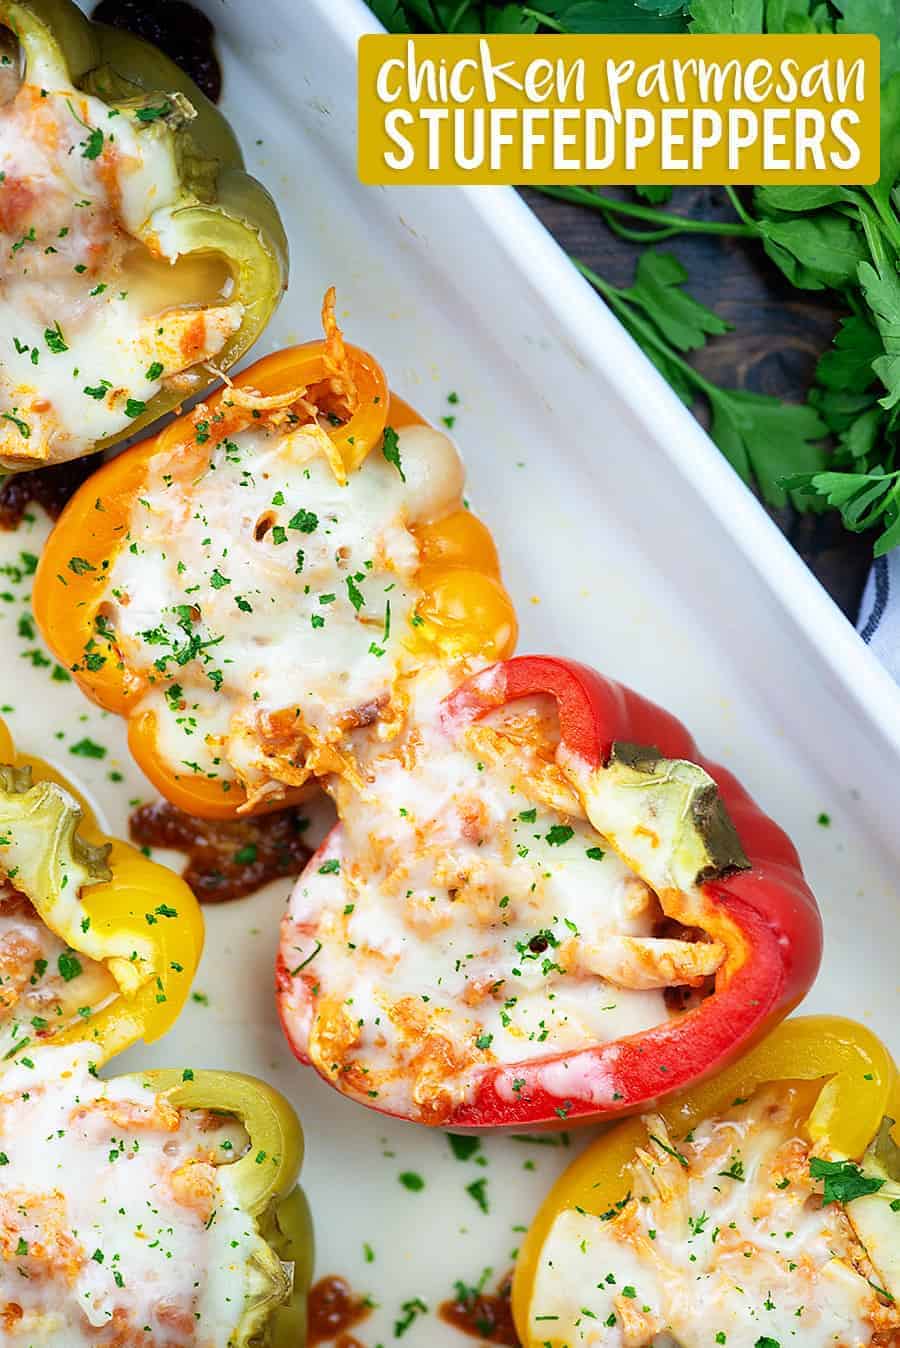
[
  {"x": 93, "y": 146},
  {"x": 759, "y": 435},
  {"x": 727, "y": 16},
  {"x": 880, "y": 17},
  {"x": 390, "y": 448},
  {"x": 844, "y": 1180},
  {"x": 839, "y": 450},
  {"x": 657, "y": 290}
]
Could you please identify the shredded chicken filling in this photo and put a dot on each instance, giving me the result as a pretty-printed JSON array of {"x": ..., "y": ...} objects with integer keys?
[
  {"x": 723, "y": 1238},
  {"x": 96, "y": 311},
  {"x": 466, "y": 914},
  {"x": 152, "y": 1247},
  {"x": 45, "y": 987},
  {"x": 263, "y": 601}
]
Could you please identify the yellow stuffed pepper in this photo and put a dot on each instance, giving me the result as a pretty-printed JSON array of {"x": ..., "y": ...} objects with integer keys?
[
  {"x": 157, "y": 1208},
  {"x": 263, "y": 577},
  {"x": 760, "y": 1210},
  {"x": 97, "y": 943},
  {"x": 136, "y": 249}
]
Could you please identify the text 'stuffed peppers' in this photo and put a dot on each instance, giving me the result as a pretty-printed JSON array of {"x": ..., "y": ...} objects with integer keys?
[
  {"x": 139, "y": 259},
  {"x": 100, "y": 944},
  {"x": 813, "y": 1104},
  {"x": 259, "y": 579},
  {"x": 541, "y": 906}
]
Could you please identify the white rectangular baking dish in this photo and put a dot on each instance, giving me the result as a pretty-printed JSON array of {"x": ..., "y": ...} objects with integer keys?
[{"x": 627, "y": 542}]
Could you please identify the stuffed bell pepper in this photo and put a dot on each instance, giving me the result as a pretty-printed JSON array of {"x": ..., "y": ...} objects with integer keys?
[
  {"x": 267, "y": 574},
  {"x": 156, "y": 1208},
  {"x": 540, "y": 906},
  {"x": 758, "y": 1211},
  {"x": 135, "y": 249},
  {"x": 98, "y": 944}
]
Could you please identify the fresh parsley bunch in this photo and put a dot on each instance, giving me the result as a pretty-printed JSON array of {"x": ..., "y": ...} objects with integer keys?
[
  {"x": 554, "y": 16},
  {"x": 840, "y": 448}
]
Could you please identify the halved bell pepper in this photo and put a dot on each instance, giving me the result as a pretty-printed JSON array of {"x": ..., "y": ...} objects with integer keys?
[
  {"x": 727, "y": 881},
  {"x": 265, "y": 1182},
  {"x": 717, "y": 863},
  {"x": 851, "y": 1117},
  {"x": 202, "y": 205},
  {"x": 463, "y": 611},
  {"x": 183, "y": 1182},
  {"x": 128, "y": 929}
]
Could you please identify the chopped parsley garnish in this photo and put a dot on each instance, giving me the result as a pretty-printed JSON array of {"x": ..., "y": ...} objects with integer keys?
[
  {"x": 354, "y": 594},
  {"x": 55, "y": 340},
  {"x": 93, "y": 146},
  {"x": 391, "y": 450},
  {"x": 304, "y": 520},
  {"x": 673, "y": 1151},
  {"x": 463, "y": 1148},
  {"x": 844, "y": 1180},
  {"x": 69, "y": 966},
  {"x": 409, "y": 1311},
  {"x": 153, "y": 114},
  {"x": 478, "y": 1191},
  {"x": 559, "y": 834},
  {"x": 21, "y": 426},
  {"x": 80, "y": 565},
  {"x": 410, "y": 1180}
]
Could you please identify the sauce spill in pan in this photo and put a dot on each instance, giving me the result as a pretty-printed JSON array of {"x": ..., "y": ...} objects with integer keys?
[{"x": 226, "y": 858}]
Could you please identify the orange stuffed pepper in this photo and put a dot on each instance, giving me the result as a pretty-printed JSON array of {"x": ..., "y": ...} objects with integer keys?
[{"x": 265, "y": 575}]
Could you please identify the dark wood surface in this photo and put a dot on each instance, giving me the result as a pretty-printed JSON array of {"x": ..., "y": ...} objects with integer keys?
[{"x": 778, "y": 335}]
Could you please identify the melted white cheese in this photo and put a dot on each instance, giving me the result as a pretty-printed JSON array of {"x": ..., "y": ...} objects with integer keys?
[
  {"x": 116, "y": 1211},
  {"x": 723, "y": 1241},
  {"x": 88, "y": 334},
  {"x": 44, "y": 986},
  {"x": 454, "y": 923},
  {"x": 290, "y": 594}
]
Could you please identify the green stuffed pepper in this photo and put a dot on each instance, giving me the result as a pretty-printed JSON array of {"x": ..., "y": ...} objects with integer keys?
[
  {"x": 159, "y": 1207},
  {"x": 137, "y": 257}
]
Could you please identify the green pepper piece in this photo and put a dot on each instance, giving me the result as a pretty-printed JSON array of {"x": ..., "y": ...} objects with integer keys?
[
  {"x": 265, "y": 1182},
  {"x": 224, "y": 211}
]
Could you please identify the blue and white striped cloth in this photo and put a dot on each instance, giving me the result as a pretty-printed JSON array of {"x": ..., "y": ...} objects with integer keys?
[{"x": 879, "y": 612}]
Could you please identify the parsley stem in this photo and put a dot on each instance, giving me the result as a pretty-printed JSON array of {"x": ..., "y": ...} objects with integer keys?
[
  {"x": 739, "y": 208},
  {"x": 645, "y": 330},
  {"x": 545, "y": 19},
  {"x": 886, "y": 216},
  {"x": 460, "y": 11},
  {"x": 639, "y": 235},
  {"x": 872, "y": 228},
  {"x": 678, "y": 224}
]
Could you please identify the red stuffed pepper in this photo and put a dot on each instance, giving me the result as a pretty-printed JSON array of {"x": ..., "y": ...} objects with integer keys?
[{"x": 541, "y": 905}]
